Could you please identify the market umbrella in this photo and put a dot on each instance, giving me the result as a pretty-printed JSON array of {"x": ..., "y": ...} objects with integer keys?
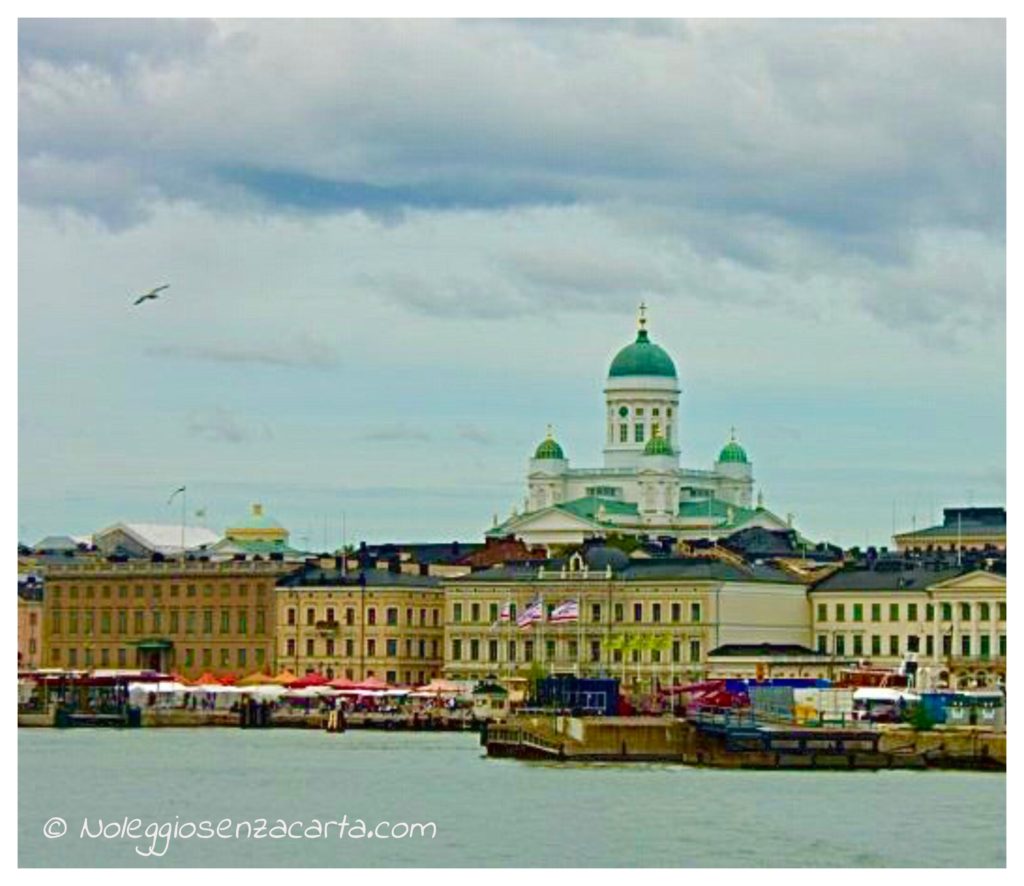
[
  {"x": 342, "y": 683},
  {"x": 371, "y": 683},
  {"x": 283, "y": 678},
  {"x": 177, "y": 678},
  {"x": 256, "y": 678},
  {"x": 228, "y": 680},
  {"x": 439, "y": 687},
  {"x": 308, "y": 680},
  {"x": 207, "y": 679}
]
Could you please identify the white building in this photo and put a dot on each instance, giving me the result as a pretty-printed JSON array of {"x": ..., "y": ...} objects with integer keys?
[{"x": 642, "y": 489}]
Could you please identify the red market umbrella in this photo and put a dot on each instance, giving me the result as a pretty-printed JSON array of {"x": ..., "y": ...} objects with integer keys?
[
  {"x": 228, "y": 680},
  {"x": 342, "y": 683},
  {"x": 207, "y": 679},
  {"x": 371, "y": 683},
  {"x": 308, "y": 680}
]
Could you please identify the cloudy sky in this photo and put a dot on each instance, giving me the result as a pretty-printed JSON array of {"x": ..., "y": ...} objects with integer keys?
[{"x": 398, "y": 250}]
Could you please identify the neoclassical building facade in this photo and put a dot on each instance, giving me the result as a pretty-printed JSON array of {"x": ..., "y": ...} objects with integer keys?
[{"x": 642, "y": 488}]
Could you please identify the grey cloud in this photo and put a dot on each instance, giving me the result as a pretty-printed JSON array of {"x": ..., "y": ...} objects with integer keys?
[
  {"x": 475, "y": 435},
  {"x": 220, "y": 425},
  {"x": 300, "y": 352},
  {"x": 394, "y": 433}
]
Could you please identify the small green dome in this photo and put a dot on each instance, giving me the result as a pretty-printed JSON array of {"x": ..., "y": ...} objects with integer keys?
[
  {"x": 658, "y": 446},
  {"x": 643, "y": 357},
  {"x": 732, "y": 451},
  {"x": 549, "y": 448}
]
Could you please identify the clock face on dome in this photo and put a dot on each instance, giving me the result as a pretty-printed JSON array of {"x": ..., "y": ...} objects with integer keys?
[{"x": 623, "y": 411}]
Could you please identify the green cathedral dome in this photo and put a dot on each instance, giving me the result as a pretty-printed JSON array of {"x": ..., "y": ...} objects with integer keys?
[
  {"x": 658, "y": 445},
  {"x": 549, "y": 448},
  {"x": 643, "y": 357},
  {"x": 732, "y": 451}
]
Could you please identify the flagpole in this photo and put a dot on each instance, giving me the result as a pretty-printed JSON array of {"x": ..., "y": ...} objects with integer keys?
[{"x": 579, "y": 635}]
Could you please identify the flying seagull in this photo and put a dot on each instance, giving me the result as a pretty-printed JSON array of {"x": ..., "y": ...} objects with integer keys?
[{"x": 151, "y": 294}]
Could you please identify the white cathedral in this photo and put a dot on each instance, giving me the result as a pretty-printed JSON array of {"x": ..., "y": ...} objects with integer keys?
[{"x": 642, "y": 490}]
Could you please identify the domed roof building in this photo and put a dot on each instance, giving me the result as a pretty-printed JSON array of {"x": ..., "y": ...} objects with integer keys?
[{"x": 641, "y": 489}]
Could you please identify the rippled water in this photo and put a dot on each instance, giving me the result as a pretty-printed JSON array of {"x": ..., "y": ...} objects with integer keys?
[{"x": 488, "y": 813}]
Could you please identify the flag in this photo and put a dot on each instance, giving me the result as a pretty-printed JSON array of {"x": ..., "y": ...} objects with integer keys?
[
  {"x": 504, "y": 617},
  {"x": 533, "y": 612},
  {"x": 567, "y": 611}
]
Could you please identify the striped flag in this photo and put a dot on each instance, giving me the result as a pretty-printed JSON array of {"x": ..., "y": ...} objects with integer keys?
[
  {"x": 504, "y": 617},
  {"x": 566, "y": 611},
  {"x": 533, "y": 612}
]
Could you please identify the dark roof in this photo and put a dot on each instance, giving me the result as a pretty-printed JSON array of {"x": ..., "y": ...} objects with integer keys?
[
  {"x": 968, "y": 521},
  {"x": 764, "y": 649},
  {"x": 662, "y": 569},
  {"x": 316, "y": 576},
  {"x": 887, "y": 576}
]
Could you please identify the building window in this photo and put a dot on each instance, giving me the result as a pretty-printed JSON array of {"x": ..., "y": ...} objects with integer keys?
[
  {"x": 876, "y": 644},
  {"x": 947, "y": 611},
  {"x": 595, "y": 650},
  {"x": 894, "y": 612},
  {"x": 858, "y": 612},
  {"x": 371, "y": 648},
  {"x": 207, "y": 658},
  {"x": 492, "y": 650},
  {"x": 371, "y": 616},
  {"x": 1002, "y": 611},
  {"x": 457, "y": 612},
  {"x": 929, "y": 645},
  {"x": 474, "y": 613},
  {"x": 391, "y": 647},
  {"x": 158, "y": 619},
  {"x": 122, "y": 658},
  {"x": 350, "y": 647},
  {"x": 913, "y": 643},
  {"x": 965, "y": 611},
  {"x": 894, "y": 644},
  {"x": 310, "y": 647},
  {"x": 105, "y": 621},
  {"x": 207, "y": 621},
  {"x": 638, "y": 612},
  {"x": 1002, "y": 645},
  {"x": 822, "y": 644},
  {"x": 858, "y": 644},
  {"x": 492, "y": 612},
  {"x": 840, "y": 612},
  {"x": 291, "y": 615},
  {"x": 840, "y": 643},
  {"x": 261, "y": 620},
  {"x": 190, "y": 658},
  {"x": 876, "y": 611},
  {"x": 174, "y": 620},
  {"x": 511, "y": 650},
  {"x": 965, "y": 645},
  {"x": 822, "y": 612},
  {"x": 549, "y": 650},
  {"x": 695, "y": 650},
  {"x": 290, "y": 646},
  {"x": 243, "y": 622},
  {"x": 528, "y": 650},
  {"x": 392, "y": 616},
  {"x": 139, "y": 621},
  {"x": 241, "y": 658},
  {"x": 677, "y": 612},
  {"x": 656, "y": 613},
  {"x": 623, "y": 433},
  {"x": 695, "y": 613},
  {"x": 911, "y": 612},
  {"x": 456, "y": 650},
  {"x": 595, "y": 613},
  {"x": 638, "y": 433},
  {"x": 929, "y": 612},
  {"x": 985, "y": 612},
  {"x": 310, "y": 616}
]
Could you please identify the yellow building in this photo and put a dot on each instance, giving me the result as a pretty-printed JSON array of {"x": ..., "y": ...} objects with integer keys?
[
  {"x": 369, "y": 623},
  {"x": 645, "y": 621},
  {"x": 30, "y": 622},
  {"x": 950, "y": 622},
  {"x": 184, "y": 616}
]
